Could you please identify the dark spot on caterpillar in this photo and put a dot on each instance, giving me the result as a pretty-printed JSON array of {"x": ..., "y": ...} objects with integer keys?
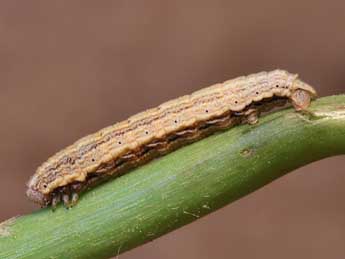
[
  {"x": 93, "y": 160},
  {"x": 206, "y": 111},
  {"x": 204, "y": 126},
  {"x": 172, "y": 138},
  {"x": 146, "y": 132},
  {"x": 257, "y": 92},
  {"x": 175, "y": 121},
  {"x": 119, "y": 162},
  {"x": 119, "y": 142},
  {"x": 44, "y": 186},
  {"x": 277, "y": 86},
  {"x": 236, "y": 101}
]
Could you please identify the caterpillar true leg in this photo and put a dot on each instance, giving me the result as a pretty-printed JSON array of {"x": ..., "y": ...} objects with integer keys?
[
  {"x": 74, "y": 199},
  {"x": 65, "y": 198},
  {"x": 56, "y": 199}
]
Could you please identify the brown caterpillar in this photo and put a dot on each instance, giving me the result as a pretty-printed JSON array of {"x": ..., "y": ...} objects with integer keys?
[{"x": 144, "y": 136}]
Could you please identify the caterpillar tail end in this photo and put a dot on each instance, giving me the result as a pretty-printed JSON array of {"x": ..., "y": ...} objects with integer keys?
[{"x": 302, "y": 95}]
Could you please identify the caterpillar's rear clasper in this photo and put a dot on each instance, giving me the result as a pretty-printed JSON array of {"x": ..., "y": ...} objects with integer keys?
[{"x": 144, "y": 136}]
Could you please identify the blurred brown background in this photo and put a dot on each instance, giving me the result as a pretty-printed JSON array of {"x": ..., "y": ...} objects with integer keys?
[{"x": 69, "y": 68}]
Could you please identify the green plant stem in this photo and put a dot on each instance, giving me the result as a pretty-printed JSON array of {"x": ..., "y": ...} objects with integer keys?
[{"x": 180, "y": 187}]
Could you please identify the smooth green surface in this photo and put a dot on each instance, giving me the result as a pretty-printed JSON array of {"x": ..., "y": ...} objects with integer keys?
[{"x": 180, "y": 187}]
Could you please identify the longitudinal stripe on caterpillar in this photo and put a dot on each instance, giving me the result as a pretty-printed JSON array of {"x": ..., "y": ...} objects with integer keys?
[{"x": 144, "y": 136}]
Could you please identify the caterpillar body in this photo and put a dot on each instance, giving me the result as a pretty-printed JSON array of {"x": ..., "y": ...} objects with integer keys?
[{"x": 155, "y": 132}]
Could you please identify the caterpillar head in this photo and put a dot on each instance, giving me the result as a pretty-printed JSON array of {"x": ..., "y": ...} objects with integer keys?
[{"x": 35, "y": 194}]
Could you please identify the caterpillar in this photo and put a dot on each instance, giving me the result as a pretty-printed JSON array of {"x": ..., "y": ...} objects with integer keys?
[{"x": 114, "y": 150}]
